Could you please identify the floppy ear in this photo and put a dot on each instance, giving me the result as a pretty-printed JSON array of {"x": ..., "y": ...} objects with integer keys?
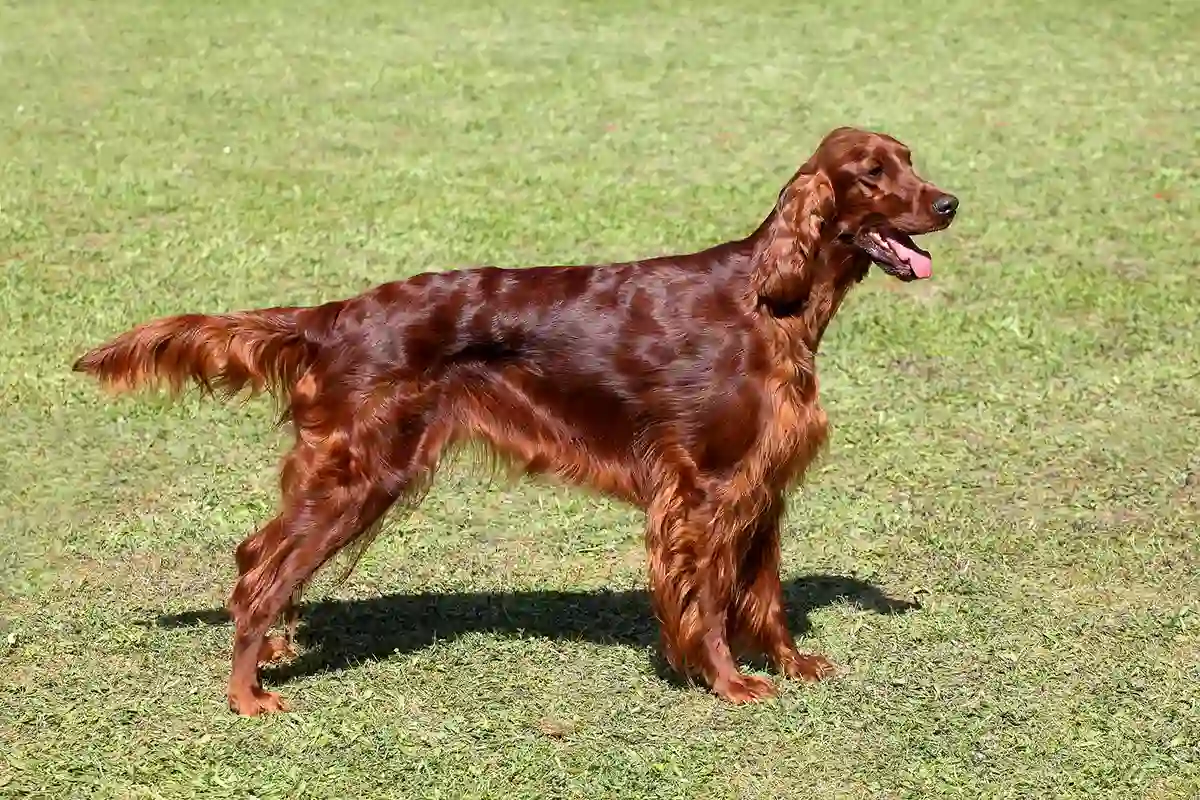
[{"x": 805, "y": 205}]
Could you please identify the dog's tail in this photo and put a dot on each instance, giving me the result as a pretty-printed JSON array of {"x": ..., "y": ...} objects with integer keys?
[{"x": 267, "y": 349}]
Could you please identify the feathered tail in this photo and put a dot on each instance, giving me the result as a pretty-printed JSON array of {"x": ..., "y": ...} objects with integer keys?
[{"x": 221, "y": 353}]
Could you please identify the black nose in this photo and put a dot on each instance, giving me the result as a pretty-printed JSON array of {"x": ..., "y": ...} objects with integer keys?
[{"x": 945, "y": 205}]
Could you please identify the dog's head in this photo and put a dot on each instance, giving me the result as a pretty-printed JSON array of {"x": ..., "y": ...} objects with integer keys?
[{"x": 860, "y": 189}]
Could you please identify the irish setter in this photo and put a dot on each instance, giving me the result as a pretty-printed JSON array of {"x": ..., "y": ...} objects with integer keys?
[{"x": 683, "y": 384}]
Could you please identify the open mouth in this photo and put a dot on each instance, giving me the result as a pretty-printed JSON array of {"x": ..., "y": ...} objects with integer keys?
[{"x": 896, "y": 253}]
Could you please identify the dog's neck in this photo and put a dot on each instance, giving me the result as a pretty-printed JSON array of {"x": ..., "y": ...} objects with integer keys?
[{"x": 800, "y": 292}]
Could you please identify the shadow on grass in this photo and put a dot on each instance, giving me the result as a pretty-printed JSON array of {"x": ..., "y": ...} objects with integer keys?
[{"x": 337, "y": 634}]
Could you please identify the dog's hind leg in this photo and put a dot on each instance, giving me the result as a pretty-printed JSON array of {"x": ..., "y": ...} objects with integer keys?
[
  {"x": 343, "y": 486},
  {"x": 248, "y": 555},
  {"x": 262, "y": 544}
]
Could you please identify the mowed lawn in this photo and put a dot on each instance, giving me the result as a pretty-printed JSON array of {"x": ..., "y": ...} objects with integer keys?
[{"x": 1000, "y": 546}]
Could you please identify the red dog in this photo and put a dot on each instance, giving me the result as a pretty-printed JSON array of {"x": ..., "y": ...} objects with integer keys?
[{"x": 685, "y": 385}]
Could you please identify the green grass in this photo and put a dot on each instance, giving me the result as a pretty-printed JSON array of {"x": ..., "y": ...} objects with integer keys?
[{"x": 1016, "y": 442}]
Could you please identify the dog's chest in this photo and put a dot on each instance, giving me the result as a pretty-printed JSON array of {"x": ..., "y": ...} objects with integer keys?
[{"x": 792, "y": 433}]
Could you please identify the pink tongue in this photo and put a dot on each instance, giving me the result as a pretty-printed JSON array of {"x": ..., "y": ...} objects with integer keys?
[{"x": 920, "y": 263}]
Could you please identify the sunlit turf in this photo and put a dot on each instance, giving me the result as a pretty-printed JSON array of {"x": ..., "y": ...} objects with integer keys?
[{"x": 1000, "y": 545}]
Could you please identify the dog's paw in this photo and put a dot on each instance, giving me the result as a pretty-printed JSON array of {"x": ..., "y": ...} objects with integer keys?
[{"x": 740, "y": 689}]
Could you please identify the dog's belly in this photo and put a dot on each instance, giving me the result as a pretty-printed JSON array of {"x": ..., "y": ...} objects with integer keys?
[{"x": 583, "y": 439}]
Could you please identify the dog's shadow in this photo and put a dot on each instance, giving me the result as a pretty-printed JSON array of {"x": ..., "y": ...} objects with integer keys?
[{"x": 336, "y": 634}]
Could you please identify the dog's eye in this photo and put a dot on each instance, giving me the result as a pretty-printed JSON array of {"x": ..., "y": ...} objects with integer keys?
[{"x": 876, "y": 171}]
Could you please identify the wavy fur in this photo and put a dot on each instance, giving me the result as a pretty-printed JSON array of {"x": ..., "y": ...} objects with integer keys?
[{"x": 684, "y": 385}]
